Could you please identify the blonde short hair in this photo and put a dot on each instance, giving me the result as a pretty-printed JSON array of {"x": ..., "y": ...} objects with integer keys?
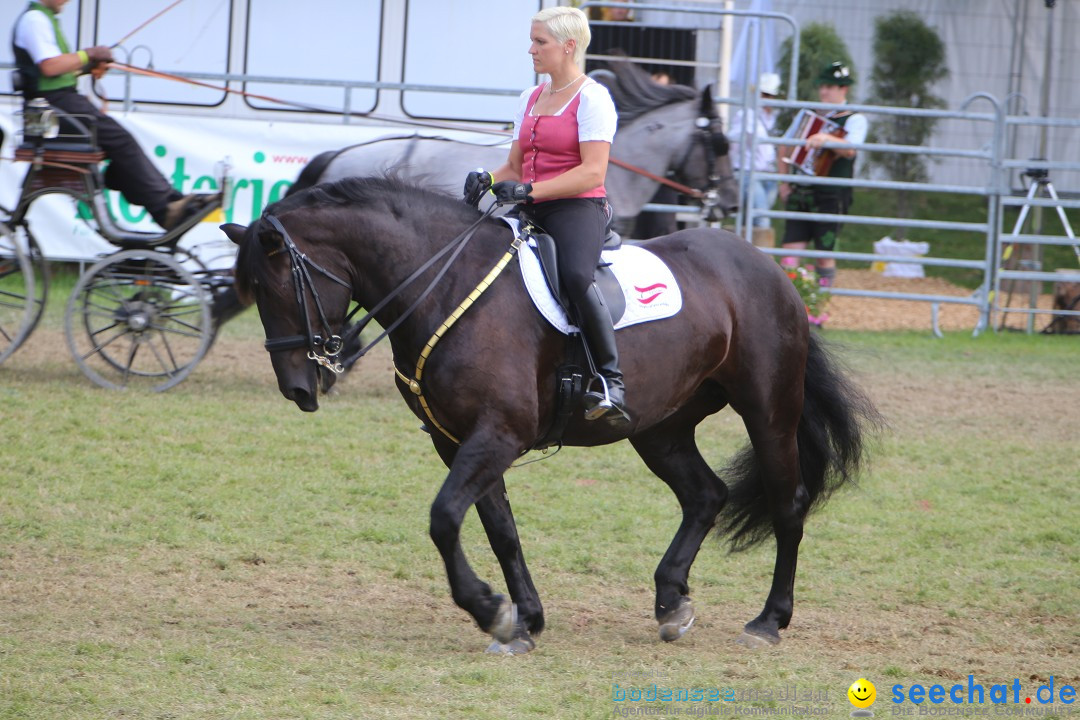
[{"x": 567, "y": 23}]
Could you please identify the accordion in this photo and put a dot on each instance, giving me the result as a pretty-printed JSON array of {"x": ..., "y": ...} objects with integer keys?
[{"x": 812, "y": 161}]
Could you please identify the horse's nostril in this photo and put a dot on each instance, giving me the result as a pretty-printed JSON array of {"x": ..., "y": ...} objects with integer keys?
[{"x": 306, "y": 401}]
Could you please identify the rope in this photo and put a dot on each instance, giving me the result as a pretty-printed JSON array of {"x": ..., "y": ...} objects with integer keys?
[{"x": 679, "y": 187}]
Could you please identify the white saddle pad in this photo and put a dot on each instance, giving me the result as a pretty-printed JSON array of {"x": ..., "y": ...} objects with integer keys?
[{"x": 648, "y": 286}]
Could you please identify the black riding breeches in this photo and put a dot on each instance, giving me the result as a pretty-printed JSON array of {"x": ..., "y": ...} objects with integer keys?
[
  {"x": 130, "y": 172},
  {"x": 579, "y": 226}
]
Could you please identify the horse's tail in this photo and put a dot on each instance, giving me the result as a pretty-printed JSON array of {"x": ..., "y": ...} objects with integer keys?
[
  {"x": 836, "y": 419},
  {"x": 309, "y": 176}
]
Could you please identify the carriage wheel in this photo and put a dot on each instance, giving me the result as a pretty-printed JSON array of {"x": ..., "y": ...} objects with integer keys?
[
  {"x": 21, "y": 300},
  {"x": 41, "y": 273},
  {"x": 138, "y": 319},
  {"x": 213, "y": 282}
]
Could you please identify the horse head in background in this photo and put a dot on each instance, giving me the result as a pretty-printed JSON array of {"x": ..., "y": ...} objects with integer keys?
[
  {"x": 667, "y": 134},
  {"x": 650, "y": 113}
]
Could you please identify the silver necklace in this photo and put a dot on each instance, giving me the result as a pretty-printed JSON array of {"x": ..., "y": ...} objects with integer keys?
[{"x": 553, "y": 90}]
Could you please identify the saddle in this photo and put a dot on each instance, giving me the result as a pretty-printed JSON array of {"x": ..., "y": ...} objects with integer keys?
[
  {"x": 570, "y": 377},
  {"x": 543, "y": 246}
]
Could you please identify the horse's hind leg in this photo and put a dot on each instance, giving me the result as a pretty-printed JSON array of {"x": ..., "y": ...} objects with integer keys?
[
  {"x": 669, "y": 451},
  {"x": 776, "y": 455}
]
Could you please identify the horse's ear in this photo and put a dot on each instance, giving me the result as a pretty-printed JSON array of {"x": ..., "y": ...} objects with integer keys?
[
  {"x": 234, "y": 231},
  {"x": 708, "y": 107}
]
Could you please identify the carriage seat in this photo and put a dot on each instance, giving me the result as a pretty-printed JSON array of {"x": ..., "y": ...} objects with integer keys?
[
  {"x": 71, "y": 139},
  {"x": 71, "y": 166},
  {"x": 65, "y": 153}
]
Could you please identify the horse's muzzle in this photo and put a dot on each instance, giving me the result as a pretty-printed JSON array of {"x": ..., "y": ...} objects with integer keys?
[{"x": 305, "y": 399}]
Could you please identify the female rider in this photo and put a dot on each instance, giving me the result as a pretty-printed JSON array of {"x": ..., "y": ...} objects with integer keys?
[{"x": 557, "y": 164}]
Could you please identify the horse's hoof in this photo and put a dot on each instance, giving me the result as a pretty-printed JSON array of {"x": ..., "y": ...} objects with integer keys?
[
  {"x": 677, "y": 622},
  {"x": 518, "y": 646},
  {"x": 506, "y": 620},
  {"x": 754, "y": 641}
]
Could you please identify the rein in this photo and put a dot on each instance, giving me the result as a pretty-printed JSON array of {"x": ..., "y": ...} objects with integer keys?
[
  {"x": 332, "y": 345},
  {"x": 323, "y": 351},
  {"x": 684, "y": 189},
  {"x": 413, "y": 383},
  {"x": 457, "y": 245}
]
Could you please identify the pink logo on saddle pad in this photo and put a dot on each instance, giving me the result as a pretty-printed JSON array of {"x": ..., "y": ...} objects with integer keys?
[
  {"x": 649, "y": 289},
  {"x": 658, "y": 287}
]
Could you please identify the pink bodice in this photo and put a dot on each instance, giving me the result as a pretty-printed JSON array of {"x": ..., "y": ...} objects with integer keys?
[{"x": 549, "y": 144}]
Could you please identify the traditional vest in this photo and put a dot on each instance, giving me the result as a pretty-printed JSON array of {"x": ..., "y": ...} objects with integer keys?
[
  {"x": 34, "y": 83},
  {"x": 549, "y": 144},
  {"x": 842, "y": 166}
]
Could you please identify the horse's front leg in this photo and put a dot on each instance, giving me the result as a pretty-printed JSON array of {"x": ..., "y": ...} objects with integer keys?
[
  {"x": 498, "y": 520},
  {"x": 476, "y": 469}
]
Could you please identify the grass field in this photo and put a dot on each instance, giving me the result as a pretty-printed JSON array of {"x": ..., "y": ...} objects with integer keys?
[{"x": 211, "y": 552}]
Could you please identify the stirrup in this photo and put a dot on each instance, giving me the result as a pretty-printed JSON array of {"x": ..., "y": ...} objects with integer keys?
[{"x": 605, "y": 408}]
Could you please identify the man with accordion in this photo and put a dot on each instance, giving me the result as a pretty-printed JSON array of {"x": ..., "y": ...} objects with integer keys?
[{"x": 838, "y": 126}]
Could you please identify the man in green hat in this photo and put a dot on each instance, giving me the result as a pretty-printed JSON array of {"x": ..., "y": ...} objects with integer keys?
[
  {"x": 50, "y": 69},
  {"x": 833, "y": 85}
]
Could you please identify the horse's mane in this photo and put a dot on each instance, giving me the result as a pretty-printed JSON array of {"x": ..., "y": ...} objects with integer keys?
[
  {"x": 385, "y": 189},
  {"x": 401, "y": 196},
  {"x": 636, "y": 93}
]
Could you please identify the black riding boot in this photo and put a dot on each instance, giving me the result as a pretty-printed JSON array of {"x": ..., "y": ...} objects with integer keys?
[{"x": 595, "y": 322}]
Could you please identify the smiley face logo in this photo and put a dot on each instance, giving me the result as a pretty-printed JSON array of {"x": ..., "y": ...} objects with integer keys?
[{"x": 862, "y": 693}]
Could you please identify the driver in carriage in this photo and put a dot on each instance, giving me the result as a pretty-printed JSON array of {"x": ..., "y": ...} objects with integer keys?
[
  {"x": 50, "y": 69},
  {"x": 556, "y": 167}
]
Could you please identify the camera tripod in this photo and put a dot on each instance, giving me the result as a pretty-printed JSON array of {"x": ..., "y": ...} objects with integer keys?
[{"x": 1040, "y": 179}]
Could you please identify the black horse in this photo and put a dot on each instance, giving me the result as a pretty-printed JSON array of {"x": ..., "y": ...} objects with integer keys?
[{"x": 486, "y": 384}]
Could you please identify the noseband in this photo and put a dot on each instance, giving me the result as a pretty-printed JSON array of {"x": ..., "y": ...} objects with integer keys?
[{"x": 325, "y": 348}]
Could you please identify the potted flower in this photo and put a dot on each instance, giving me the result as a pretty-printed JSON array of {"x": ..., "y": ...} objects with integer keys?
[{"x": 814, "y": 296}]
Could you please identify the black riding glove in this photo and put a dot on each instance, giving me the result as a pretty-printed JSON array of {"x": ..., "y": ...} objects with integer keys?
[
  {"x": 509, "y": 191},
  {"x": 477, "y": 182},
  {"x": 99, "y": 54}
]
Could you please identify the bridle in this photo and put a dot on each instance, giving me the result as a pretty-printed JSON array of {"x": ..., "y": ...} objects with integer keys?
[
  {"x": 325, "y": 349},
  {"x": 715, "y": 145}
]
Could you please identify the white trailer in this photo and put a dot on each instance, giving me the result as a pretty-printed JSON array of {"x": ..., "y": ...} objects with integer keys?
[{"x": 344, "y": 71}]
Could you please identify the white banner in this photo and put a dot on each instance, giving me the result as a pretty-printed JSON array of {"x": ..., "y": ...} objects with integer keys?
[{"x": 265, "y": 158}]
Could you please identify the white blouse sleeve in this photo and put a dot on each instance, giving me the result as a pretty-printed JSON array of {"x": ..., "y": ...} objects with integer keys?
[{"x": 597, "y": 118}]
